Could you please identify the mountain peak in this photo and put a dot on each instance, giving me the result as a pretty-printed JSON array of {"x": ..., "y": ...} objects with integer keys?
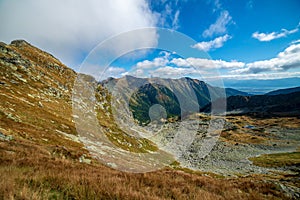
[{"x": 19, "y": 43}]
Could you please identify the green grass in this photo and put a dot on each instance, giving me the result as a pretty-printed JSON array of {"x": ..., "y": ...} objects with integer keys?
[{"x": 277, "y": 160}]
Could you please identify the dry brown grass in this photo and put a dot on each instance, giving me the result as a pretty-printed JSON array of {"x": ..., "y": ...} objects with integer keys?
[
  {"x": 31, "y": 171},
  {"x": 257, "y": 135}
]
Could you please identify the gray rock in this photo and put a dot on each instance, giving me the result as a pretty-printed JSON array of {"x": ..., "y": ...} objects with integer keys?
[
  {"x": 6, "y": 137},
  {"x": 82, "y": 159}
]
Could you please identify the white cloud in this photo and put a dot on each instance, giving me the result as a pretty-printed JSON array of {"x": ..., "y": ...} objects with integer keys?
[
  {"x": 220, "y": 26},
  {"x": 288, "y": 59},
  {"x": 167, "y": 12},
  {"x": 181, "y": 62},
  {"x": 146, "y": 64},
  {"x": 266, "y": 37},
  {"x": 201, "y": 63},
  {"x": 156, "y": 62},
  {"x": 295, "y": 41},
  {"x": 217, "y": 5},
  {"x": 174, "y": 72},
  {"x": 114, "y": 72},
  {"x": 70, "y": 29},
  {"x": 168, "y": 67},
  {"x": 212, "y": 44},
  {"x": 175, "y": 21}
]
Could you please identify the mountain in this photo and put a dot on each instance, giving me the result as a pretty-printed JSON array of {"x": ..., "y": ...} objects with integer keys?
[
  {"x": 262, "y": 105},
  {"x": 284, "y": 91},
  {"x": 179, "y": 97}
]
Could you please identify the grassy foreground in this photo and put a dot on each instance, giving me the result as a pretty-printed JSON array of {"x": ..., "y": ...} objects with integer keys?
[{"x": 29, "y": 171}]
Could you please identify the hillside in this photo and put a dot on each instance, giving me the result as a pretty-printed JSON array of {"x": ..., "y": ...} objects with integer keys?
[
  {"x": 263, "y": 105},
  {"x": 284, "y": 91},
  {"x": 43, "y": 156}
]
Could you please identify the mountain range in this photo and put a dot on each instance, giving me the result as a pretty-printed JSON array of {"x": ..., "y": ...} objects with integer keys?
[
  {"x": 27, "y": 64},
  {"x": 178, "y": 96},
  {"x": 173, "y": 94}
]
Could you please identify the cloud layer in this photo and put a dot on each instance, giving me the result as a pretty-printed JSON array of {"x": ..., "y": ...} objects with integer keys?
[
  {"x": 71, "y": 28},
  {"x": 168, "y": 66}
]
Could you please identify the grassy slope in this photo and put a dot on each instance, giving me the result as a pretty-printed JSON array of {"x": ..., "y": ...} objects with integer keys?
[
  {"x": 277, "y": 160},
  {"x": 28, "y": 171}
]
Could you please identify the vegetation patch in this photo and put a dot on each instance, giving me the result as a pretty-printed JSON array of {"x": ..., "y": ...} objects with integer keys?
[{"x": 277, "y": 160}]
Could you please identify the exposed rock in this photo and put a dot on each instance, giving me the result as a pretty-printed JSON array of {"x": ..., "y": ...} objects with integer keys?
[
  {"x": 83, "y": 159},
  {"x": 6, "y": 137},
  {"x": 19, "y": 43},
  {"x": 13, "y": 117},
  {"x": 40, "y": 104}
]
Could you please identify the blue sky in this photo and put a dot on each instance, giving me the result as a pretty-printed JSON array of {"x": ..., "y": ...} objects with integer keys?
[
  {"x": 244, "y": 39},
  {"x": 248, "y": 37}
]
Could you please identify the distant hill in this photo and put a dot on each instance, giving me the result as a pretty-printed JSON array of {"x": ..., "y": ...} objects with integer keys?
[
  {"x": 284, "y": 91},
  {"x": 257, "y": 86},
  {"x": 234, "y": 92},
  {"x": 262, "y": 105}
]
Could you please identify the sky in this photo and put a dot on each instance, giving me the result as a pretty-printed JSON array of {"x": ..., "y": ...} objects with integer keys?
[{"x": 242, "y": 39}]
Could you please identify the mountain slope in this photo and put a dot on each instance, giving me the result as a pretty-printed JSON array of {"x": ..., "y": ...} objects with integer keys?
[
  {"x": 234, "y": 92},
  {"x": 36, "y": 89},
  {"x": 263, "y": 105},
  {"x": 284, "y": 91}
]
